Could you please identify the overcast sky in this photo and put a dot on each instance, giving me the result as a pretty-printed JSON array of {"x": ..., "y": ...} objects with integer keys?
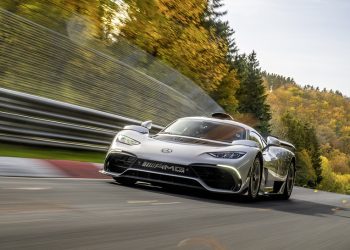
[{"x": 308, "y": 40}]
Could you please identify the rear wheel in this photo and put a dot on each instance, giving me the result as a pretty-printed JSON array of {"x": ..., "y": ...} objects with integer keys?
[
  {"x": 289, "y": 184},
  {"x": 124, "y": 181},
  {"x": 255, "y": 179}
]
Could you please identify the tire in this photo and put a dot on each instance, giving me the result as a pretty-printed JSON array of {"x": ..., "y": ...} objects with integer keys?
[
  {"x": 255, "y": 179},
  {"x": 289, "y": 184},
  {"x": 125, "y": 181}
]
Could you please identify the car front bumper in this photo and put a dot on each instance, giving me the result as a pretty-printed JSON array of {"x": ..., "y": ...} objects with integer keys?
[{"x": 213, "y": 178}]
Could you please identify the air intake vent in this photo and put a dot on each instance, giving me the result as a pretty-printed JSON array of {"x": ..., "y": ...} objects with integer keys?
[
  {"x": 118, "y": 163},
  {"x": 215, "y": 177}
]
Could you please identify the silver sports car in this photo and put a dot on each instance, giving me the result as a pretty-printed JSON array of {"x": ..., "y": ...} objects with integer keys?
[{"x": 216, "y": 154}]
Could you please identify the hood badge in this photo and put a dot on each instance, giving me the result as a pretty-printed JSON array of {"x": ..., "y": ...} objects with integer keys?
[{"x": 167, "y": 150}]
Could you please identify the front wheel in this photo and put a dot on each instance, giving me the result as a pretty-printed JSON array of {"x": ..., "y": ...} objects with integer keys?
[
  {"x": 289, "y": 184},
  {"x": 124, "y": 181},
  {"x": 255, "y": 180}
]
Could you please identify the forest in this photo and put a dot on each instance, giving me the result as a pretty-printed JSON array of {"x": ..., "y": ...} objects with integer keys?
[
  {"x": 191, "y": 37},
  {"x": 318, "y": 123}
]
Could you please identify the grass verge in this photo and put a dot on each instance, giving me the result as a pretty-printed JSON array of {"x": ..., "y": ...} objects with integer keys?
[{"x": 26, "y": 151}]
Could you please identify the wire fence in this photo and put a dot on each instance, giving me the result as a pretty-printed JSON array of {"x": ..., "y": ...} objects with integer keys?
[{"x": 116, "y": 78}]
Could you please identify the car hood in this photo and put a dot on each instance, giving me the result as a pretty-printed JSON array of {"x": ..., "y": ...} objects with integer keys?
[{"x": 189, "y": 140}]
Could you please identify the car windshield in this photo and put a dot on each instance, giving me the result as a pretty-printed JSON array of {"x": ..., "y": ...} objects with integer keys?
[{"x": 210, "y": 130}]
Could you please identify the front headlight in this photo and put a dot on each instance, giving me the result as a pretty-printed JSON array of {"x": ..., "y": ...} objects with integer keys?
[
  {"x": 127, "y": 140},
  {"x": 228, "y": 155}
]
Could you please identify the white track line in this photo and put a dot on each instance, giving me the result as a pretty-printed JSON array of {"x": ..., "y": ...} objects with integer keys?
[
  {"x": 142, "y": 202},
  {"x": 29, "y": 188},
  {"x": 166, "y": 203}
]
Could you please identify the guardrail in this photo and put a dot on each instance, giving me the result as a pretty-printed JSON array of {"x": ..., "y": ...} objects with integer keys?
[{"x": 30, "y": 119}]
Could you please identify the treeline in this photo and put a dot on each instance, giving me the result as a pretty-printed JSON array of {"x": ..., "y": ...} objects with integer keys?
[{"x": 274, "y": 81}]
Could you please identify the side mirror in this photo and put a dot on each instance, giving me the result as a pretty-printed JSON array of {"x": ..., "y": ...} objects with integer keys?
[
  {"x": 147, "y": 124},
  {"x": 273, "y": 141}
]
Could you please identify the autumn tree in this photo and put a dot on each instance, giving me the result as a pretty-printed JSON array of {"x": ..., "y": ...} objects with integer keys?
[
  {"x": 331, "y": 181},
  {"x": 173, "y": 32},
  {"x": 306, "y": 175},
  {"x": 225, "y": 95}
]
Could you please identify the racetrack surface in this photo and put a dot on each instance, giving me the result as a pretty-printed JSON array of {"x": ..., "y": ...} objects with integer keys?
[{"x": 51, "y": 213}]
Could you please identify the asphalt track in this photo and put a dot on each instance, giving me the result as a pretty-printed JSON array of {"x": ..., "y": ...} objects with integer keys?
[{"x": 100, "y": 214}]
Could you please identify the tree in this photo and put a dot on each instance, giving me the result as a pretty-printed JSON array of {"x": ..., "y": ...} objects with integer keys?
[
  {"x": 10, "y": 5},
  {"x": 332, "y": 182},
  {"x": 195, "y": 55},
  {"x": 59, "y": 14},
  {"x": 212, "y": 21},
  {"x": 251, "y": 94},
  {"x": 225, "y": 94},
  {"x": 312, "y": 144},
  {"x": 303, "y": 136},
  {"x": 306, "y": 173},
  {"x": 173, "y": 31}
]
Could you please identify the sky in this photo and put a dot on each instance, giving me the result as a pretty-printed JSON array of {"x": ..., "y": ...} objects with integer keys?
[{"x": 308, "y": 40}]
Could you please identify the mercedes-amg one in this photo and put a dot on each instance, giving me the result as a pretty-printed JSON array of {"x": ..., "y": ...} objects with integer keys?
[{"x": 214, "y": 153}]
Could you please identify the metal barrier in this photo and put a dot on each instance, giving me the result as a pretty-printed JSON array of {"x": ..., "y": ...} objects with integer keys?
[{"x": 29, "y": 119}]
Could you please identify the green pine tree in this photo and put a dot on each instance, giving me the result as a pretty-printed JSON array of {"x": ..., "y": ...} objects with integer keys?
[
  {"x": 303, "y": 136},
  {"x": 212, "y": 20},
  {"x": 252, "y": 93}
]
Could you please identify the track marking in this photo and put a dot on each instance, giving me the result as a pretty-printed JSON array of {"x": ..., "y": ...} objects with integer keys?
[
  {"x": 210, "y": 242},
  {"x": 29, "y": 188},
  {"x": 166, "y": 203},
  {"x": 142, "y": 202},
  {"x": 22, "y": 221},
  {"x": 336, "y": 209},
  {"x": 264, "y": 209}
]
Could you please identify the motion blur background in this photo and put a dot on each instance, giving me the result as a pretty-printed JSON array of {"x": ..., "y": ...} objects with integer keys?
[{"x": 74, "y": 72}]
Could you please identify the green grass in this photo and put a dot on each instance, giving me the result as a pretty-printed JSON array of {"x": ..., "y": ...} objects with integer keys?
[{"x": 25, "y": 151}]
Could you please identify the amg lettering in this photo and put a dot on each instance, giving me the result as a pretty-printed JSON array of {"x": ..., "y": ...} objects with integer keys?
[{"x": 164, "y": 167}]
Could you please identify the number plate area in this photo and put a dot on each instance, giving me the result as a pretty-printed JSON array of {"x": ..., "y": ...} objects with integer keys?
[{"x": 163, "y": 167}]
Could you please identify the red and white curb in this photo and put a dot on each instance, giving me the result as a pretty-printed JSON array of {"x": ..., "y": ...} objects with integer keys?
[{"x": 25, "y": 167}]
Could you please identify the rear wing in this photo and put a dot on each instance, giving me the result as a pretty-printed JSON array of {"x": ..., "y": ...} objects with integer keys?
[{"x": 287, "y": 144}]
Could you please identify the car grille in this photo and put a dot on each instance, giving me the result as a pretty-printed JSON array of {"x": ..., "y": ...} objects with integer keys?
[
  {"x": 215, "y": 177},
  {"x": 154, "y": 177},
  {"x": 118, "y": 163}
]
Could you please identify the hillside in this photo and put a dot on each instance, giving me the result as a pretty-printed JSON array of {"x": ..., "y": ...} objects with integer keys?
[{"x": 327, "y": 113}]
